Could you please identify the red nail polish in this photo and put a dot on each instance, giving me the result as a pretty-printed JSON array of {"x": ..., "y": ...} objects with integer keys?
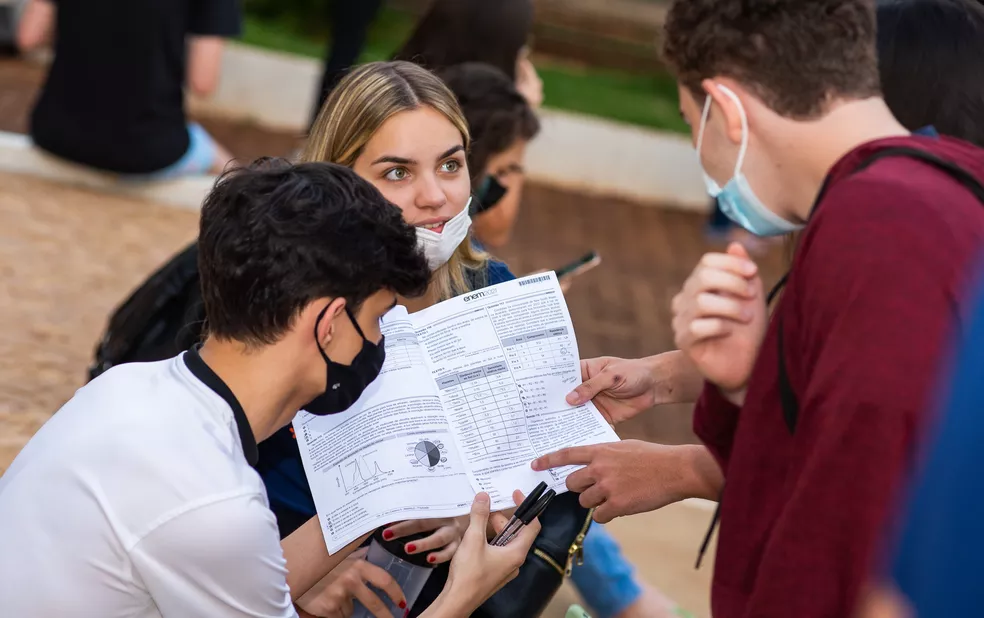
[
  {"x": 411, "y": 548},
  {"x": 403, "y": 604},
  {"x": 387, "y": 534},
  {"x": 432, "y": 559}
]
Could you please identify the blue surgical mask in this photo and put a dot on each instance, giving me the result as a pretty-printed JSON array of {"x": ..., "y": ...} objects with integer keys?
[{"x": 737, "y": 199}]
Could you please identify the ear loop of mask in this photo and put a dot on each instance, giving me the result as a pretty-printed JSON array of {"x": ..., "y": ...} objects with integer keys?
[
  {"x": 744, "y": 126},
  {"x": 317, "y": 323}
]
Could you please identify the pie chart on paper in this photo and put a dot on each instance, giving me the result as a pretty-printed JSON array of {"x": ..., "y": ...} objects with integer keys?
[{"x": 427, "y": 453}]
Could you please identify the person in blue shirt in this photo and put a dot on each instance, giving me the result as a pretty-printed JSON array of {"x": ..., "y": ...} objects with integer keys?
[
  {"x": 935, "y": 566},
  {"x": 929, "y": 52}
]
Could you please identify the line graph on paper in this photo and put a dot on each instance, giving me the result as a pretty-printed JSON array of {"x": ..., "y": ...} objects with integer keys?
[{"x": 361, "y": 471}]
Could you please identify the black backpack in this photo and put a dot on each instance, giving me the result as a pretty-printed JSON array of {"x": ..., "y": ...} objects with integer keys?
[{"x": 160, "y": 319}]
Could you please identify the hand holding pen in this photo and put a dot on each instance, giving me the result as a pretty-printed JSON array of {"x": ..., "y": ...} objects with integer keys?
[{"x": 529, "y": 510}]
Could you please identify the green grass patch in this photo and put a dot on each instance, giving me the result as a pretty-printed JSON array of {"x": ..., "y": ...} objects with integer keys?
[{"x": 645, "y": 100}]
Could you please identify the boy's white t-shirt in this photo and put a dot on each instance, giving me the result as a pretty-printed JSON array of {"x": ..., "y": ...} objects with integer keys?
[{"x": 138, "y": 498}]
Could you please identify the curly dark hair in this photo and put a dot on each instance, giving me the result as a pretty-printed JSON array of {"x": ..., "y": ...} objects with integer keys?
[
  {"x": 274, "y": 237},
  {"x": 795, "y": 55},
  {"x": 496, "y": 112}
]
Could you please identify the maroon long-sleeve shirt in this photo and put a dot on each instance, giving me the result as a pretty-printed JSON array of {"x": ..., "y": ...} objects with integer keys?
[{"x": 874, "y": 294}]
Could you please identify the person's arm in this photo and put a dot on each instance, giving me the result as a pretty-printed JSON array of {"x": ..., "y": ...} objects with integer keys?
[
  {"x": 307, "y": 557},
  {"x": 211, "y": 22},
  {"x": 37, "y": 25},
  {"x": 873, "y": 316},
  {"x": 631, "y": 476},
  {"x": 337, "y": 593},
  {"x": 528, "y": 82},
  {"x": 204, "y": 64},
  {"x": 932, "y": 555}
]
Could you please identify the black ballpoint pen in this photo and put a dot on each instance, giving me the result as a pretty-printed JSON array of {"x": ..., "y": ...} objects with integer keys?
[
  {"x": 521, "y": 510},
  {"x": 528, "y": 516}
]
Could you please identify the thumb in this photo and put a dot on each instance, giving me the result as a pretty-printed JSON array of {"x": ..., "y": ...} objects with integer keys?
[
  {"x": 479, "y": 518},
  {"x": 588, "y": 389},
  {"x": 738, "y": 250}
]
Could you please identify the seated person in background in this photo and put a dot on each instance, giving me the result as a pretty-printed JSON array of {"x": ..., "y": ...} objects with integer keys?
[
  {"x": 140, "y": 497},
  {"x": 502, "y": 123},
  {"x": 114, "y": 96}
]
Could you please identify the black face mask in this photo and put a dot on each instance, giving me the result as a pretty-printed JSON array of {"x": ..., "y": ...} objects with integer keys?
[
  {"x": 488, "y": 195},
  {"x": 346, "y": 383}
]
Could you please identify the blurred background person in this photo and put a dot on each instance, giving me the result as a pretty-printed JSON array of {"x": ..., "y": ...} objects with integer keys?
[
  {"x": 497, "y": 33},
  {"x": 932, "y": 566},
  {"x": 934, "y": 569},
  {"x": 502, "y": 124},
  {"x": 350, "y": 22},
  {"x": 114, "y": 95},
  {"x": 9, "y": 16},
  {"x": 930, "y": 54}
]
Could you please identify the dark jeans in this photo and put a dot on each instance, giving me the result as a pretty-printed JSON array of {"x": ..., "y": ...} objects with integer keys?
[{"x": 350, "y": 21}]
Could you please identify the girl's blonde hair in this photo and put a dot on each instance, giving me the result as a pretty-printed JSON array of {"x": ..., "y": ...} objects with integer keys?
[{"x": 366, "y": 98}]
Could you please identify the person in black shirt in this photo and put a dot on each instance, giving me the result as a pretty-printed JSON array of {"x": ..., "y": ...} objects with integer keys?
[{"x": 114, "y": 96}]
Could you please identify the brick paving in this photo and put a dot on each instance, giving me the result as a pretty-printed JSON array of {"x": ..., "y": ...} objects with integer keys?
[{"x": 63, "y": 249}]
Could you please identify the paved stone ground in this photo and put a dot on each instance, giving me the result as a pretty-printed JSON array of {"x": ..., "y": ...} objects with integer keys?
[{"x": 67, "y": 257}]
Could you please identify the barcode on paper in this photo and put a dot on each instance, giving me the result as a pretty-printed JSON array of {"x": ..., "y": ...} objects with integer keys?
[{"x": 533, "y": 280}]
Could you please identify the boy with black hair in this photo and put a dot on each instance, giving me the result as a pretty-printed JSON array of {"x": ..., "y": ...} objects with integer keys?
[
  {"x": 139, "y": 497},
  {"x": 810, "y": 417}
]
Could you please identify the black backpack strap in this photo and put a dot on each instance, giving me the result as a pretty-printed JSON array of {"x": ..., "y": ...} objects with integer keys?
[
  {"x": 790, "y": 405},
  {"x": 968, "y": 180},
  {"x": 787, "y": 396}
]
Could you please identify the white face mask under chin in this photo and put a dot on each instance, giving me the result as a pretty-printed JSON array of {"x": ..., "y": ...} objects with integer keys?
[{"x": 438, "y": 248}]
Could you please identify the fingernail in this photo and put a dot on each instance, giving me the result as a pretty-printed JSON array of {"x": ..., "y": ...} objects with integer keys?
[
  {"x": 535, "y": 464},
  {"x": 387, "y": 534},
  {"x": 432, "y": 559},
  {"x": 573, "y": 399},
  {"x": 411, "y": 548},
  {"x": 403, "y": 604}
]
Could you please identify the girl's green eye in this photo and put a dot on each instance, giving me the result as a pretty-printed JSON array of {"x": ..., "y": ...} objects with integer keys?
[
  {"x": 451, "y": 166},
  {"x": 397, "y": 173}
]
